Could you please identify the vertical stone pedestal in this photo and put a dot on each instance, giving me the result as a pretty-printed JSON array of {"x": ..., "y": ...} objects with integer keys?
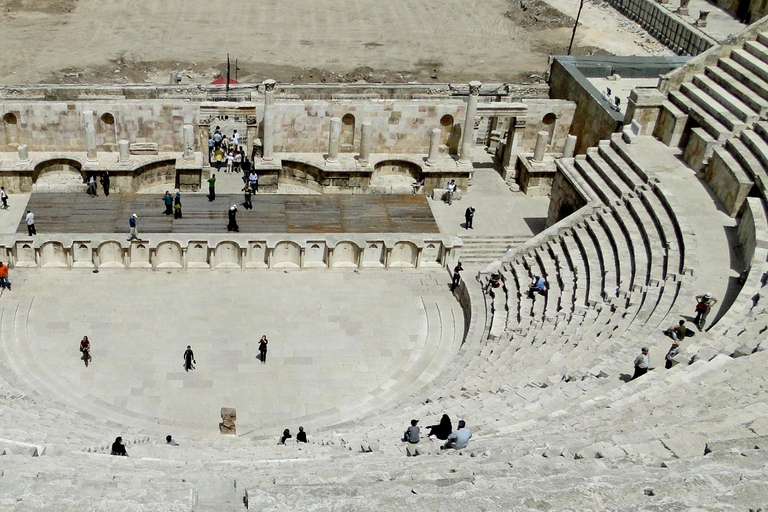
[
  {"x": 468, "y": 132},
  {"x": 268, "y": 123},
  {"x": 23, "y": 154},
  {"x": 124, "y": 152},
  {"x": 365, "y": 144},
  {"x": 434, "y": 147},
  {"x": 188, "y": 139},
  {"x": 570, "y": 146},
  {"x": 91, "y": 155},
  {"x": 334, "y": 139},
  {"x": 541, "y": 146}
]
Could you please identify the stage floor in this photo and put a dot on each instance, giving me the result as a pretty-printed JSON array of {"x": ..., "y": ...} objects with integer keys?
[{"x": 271, "y": 213}]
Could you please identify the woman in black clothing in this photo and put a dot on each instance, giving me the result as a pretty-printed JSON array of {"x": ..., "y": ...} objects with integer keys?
[
  {"x": 441, "y": 430},
  {"x": 118, "y": 448}
]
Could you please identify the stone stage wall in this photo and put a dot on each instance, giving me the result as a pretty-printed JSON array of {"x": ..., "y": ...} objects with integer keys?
[{"x": 205, "y": 251}]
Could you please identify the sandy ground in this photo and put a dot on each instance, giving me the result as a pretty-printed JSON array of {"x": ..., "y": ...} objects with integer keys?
[{"x": 92, "y": 41}]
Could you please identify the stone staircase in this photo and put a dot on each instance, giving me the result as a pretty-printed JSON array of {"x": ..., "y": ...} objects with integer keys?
[{"x": 480, "y": 250}]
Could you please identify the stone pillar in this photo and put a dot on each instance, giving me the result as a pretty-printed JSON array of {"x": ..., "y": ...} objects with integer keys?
[
  {"x": 683, "y": 10},
  {"x": 702, "y": 21},
  {"x": 23, "y": 154},
  {"x": 468, "y": 132},
  {"x": 188, "y": 139},
  {"x": 269, "y": 121},
  {"x": 334, "y": 138},
  {"x": 541, "y": 146},
  {"x": 365, "y": 143},
  {"x": 570, "y": 146},
  {"x": 124, "y": 151},
  {"x": 90, "y": 136},
  {"x": 434, "y": 146}
]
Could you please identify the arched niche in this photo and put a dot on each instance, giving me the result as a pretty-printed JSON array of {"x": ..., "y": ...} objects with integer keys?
[
  {"x": 286, "y": 255},
  {"x": 256, "y": 255},
  {"x": 228, "y": 255},
  {"x": 197, "y": 255},
  {"x": 169, "y": 255},
  {"x": 347, "y": 140},
  {"x": 58, "y": 175},
  {"x": 111, "y": 255},
  {"x": 373, "y": 254},
  {"x": 346, "y": 255},
  {"x": 404, "y": 254},
  {"x": 53, "y": 255}
]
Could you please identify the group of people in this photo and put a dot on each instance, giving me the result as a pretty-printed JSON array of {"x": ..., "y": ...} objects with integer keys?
[
  {"x": 223, "y": 150},
  {"x": 301, "y": 436},
  {"x": 172, "y": 204},
  {"x": 678, "y": 333},
  {"x": 104, "y": 179},
  {"x": 118, "y": 448},
  {"x": 456, "y": 439}
]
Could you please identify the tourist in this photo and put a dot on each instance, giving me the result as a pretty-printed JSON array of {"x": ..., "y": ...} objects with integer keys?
[
  {"x": 456, "y": 277},
  {"x": 230, "y": 160},
  {"x": 451, "y": 189},
  {"x": 177, "y": 205},
  {"x": 235, "y": 138},
  {"x": 411, "y": 435},
  {"x": 286, "y": 435},
  {"x": 217, "y": 137},
  {"x": 212, "y": 188},
  {"x": 247, "y": 197},
  {"x": 92, "y": 186},
  {"x": 469, "y": 215},
  {"x": 85, "y": 349},
  {"x": 168, "y": 200},
  {"x": 105, "y": 182},
  {"x": 169, "y": 441},
  {"x": 246, "y": 168},
  {"x": 442, "y": 430},
  {"x": 31, "y": 223},
  {"x": 118, "y": 448},
  {"x": 703, "y": 304},
  {"x": 232, "y": 226},
  {"x": 253, "y": 179},
  {"x": 263, "y": 349},
  {"x": 133, "y": 224},
  {"x": 4, "y": 197},
  {"x": 4, "y": 282},
  {"x": 673, "y": 351},
  {"x": 458, "y": 439},
  {"x": 189, "y": 358},
  {"x": 211, "y": 146},
  {"x": 237, "y": 162},
  {"x": 539, "y": 286},
  {"x": 677, "y": 332},
  {"x": 642, "y": 362},
  {"x": 218, "y": 158},
  {"x": 418, "y": 184},
  {"x": 301, "y": 436}
]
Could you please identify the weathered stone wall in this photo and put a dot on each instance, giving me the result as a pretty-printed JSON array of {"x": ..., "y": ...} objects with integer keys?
[
  {"x": 565, "y": 199},
  {"x": 731, "y": 188},
  {"x": 747, "y": 229},
  {"x": 555, "y": 116},
  {"x": 58, "y": 126}
]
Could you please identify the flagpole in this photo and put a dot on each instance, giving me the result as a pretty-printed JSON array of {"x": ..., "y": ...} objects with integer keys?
[
  {"x": 235, "y": 69},
  {"x": 227, "y": 75},
  {"x": 575, "y": 25}
]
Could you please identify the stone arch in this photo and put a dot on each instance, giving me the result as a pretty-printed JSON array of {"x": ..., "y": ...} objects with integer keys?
[
  {"x": 53, "y": 254},
  {"x": 286, "y": 255},
  {"x": 58, "y": 175},
  {"x": 446, "y": 128},
  {"x": 109, "y": 128},
  {"x": 406, "y": 168},
  {"x": 404, "y": 254},
  {"x": 169, "y": 255},
  {"x": 549, "y": 121},
  {"x": 228, "y": 255},
  {"x": 303, "y": 174},
  {"x": 346, "y": 255},
  {"x": 162, "y": 172},
  {"x": 11, "y": 129},
  {"x": 347, "y": 132},
  {"x": 111, "y": 254}
]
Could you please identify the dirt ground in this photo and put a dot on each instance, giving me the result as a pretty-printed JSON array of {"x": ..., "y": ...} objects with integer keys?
[{"x": 303, "y": 41}]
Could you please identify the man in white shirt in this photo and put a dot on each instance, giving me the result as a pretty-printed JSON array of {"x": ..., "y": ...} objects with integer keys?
[
  {"x": 236, "y": 138},
  {"x": 4, "y": 197},
  {"x": 31, "y": 223},
  {"x": 642, "y": 362},
  {"x": 451, "y": 190}
]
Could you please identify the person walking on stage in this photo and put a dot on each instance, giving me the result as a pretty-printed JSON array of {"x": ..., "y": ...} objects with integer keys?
[
  {"x": 263, "y": 349},
  {"x": 31, "y": 223},
  {"x": 105, "y": 183},
  {"x": 247, "y": 204},
  {"x": 168, "y": 200},
  {"x": 4, "y": 282},
  {"x": 177, "y": 205},
  {"x": 4, "y": 197},
  {"x": 212, "y": 188},
  {"x": 133, "y": 224},
  {"x": 469, "y": 216},
  {"x": 189, "y": 358},
  {"x": 232, "y": 226}
]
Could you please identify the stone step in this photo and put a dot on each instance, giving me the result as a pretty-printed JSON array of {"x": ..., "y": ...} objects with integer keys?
[
  {"x": 742, "y": 75},
  {"x": 742, "y": 111},
  {"x": 746, "y": 164},
  {"x": 594, "y": 180},
  {"x": 757, "y": 49},
  {"x": 751, "y": 63},
  {"x": 712, "y": 125},
  {"x": 713, "y": 107},
  {"x": 742, "y": 91}
]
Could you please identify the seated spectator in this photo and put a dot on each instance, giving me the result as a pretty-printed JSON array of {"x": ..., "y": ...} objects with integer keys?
[
  {"x": 673, "y": 351},
  {"x": 459, "y": 439},
  {"x": 118, "y": 448},
  {"x": 169, "y": 440},
  {"x": 442, "y": 430},
  {"x": 418, "y": 184},
  {"x": 539, "y": 286},
  {"x": 412, "y": 434},
  {"x": 301, "y": 436},
  {"x": 286, "y": 435},
  {"x": 678, "y": 332}
]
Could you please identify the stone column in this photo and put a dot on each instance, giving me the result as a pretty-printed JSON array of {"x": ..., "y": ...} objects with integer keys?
[
  {"x": 334, "y": 138},
  {"x": 683, "y": 10},
  {"x": 434, "y": 146},
  {"x": 188, "y": 139},
  {"x": 702, "y": 21},
  {"x": 124, "y": 151},
  {"x": 468, "y": 132},
  {"x": 23, "y": 154},
  {"x": 365, "y": 143},
  {"x": 541, "y": 146},
  {"x": 269, "y": 126},
  {"x": 90, "y": 136},
  {"x": 570, "y": 146}
]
